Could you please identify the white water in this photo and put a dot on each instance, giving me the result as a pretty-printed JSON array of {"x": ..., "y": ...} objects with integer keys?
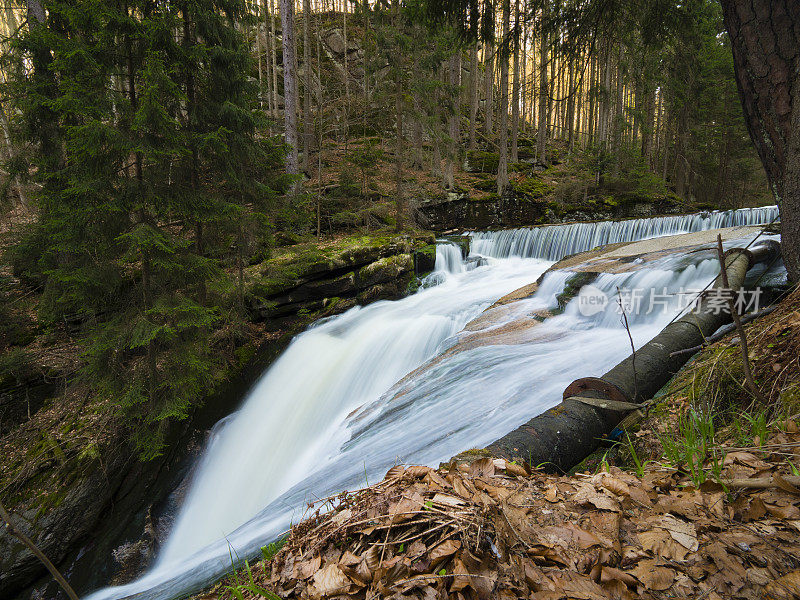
[
  {"x": 328, "y": 414},
  {"x": 554, "y": 242}
]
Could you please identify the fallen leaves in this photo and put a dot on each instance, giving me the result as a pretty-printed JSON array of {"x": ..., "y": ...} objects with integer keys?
[{"x": 495, "y": 529}]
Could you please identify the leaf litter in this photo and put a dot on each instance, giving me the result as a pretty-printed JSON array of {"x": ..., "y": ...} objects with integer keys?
[{"x": 498, "y": 529}]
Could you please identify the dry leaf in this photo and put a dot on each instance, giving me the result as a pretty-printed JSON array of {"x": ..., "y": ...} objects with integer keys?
[
  {"x": 588, "y": 495},
  {"x": 329, "y": 581},
  {"x": 395, "y": 472},
  {"x": 483, "y": 467},
  {"x": 785, "y": 588},
  {"x": 306, "y": 568},
  {"x": 614, "y": 485},
  {"x": 461, "y": 579},
  {"x": 515, "y": 469},
  {"x": 551, "y": 495},
  {"x": 447, "y": 500},
  {"x": 417, "y": 471},
  {"x": 372, "y": 558},
  {"x": 682, "y": 532},
  {"x": 443, "y": 551},
  {"x": 660, "y": 543},
  {"x": 652, "y": 576}
]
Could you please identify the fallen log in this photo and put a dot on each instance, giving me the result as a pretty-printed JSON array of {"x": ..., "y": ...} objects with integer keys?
[{"x": 591, "y": 407}]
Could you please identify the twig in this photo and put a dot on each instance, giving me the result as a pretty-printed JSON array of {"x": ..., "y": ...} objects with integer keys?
[
  {"x": 761, "y": 483},
  {"x": 424, "y": 577},
  {"x": 748, "y": 374},
  {"x": 633, "y": 349},
  {"x": 37, "y": 553},
  {"x": 724, "y": 331}
]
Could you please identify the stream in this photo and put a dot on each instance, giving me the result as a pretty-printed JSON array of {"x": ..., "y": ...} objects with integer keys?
[{"x": 403, "y": 381}]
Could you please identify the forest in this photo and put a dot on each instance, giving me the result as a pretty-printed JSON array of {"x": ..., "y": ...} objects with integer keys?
[{"x": 186, "y": 187}]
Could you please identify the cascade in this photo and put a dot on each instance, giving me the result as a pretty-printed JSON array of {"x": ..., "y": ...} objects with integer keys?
[
  {"x": 553, "y": 242},
  {"x": 348, "y": 399}
]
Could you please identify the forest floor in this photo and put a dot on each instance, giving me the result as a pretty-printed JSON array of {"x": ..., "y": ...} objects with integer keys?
[{"x": 700, "y": 500}]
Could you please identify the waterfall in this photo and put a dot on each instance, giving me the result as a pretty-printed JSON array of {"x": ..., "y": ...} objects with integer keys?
[
  {"x": 448, "y": 258},
  {"x": 397, "y": 381},
  {"x": 553, "y": 242}
]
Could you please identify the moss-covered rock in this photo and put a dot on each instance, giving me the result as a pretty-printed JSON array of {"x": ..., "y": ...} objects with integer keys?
[{"x": 480, "y": 161}]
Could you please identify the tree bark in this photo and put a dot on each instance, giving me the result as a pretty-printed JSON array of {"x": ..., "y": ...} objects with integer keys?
[
  {"x": 452, "y": 123},
  {"x": 308, "y": 123},
  {"x": 543, "y": 99},
  {"x": 489, "y": 90},
  {"x": 473, "y": 95},
  {"x": 273, "y": 59},
  {"x": 515, "y": 88},
  {"x": 400, "y": 205},
  {"x": 289, "y": 85},
  {"x": 765, "y": 39},
  {"x": 502, "y": 163}
]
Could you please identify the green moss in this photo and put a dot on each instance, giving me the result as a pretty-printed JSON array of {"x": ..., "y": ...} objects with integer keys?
[
  {"x": 480, "y": 161},
  {"x": 572, "y": 288},
  {"x": 530, "y": 188},
  {"x": 487, "y": 184}
]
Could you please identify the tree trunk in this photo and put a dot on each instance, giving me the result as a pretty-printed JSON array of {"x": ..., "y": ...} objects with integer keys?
[
  {"x": 502, "y": 163},
  {"x": 452, "y": 122},
  {"x": 571, "y": 105},
  {"x": 473, "y": 95},
  {"x": 489, "y": 90},
  {"x": 765, "y": 39},
  {"x": 515, "y": 88},
  {"x": 400, "y": 206},
  {"x": 274, "y": 59},
  {"x": 308, "y": 123},
  {"x": 543, "y": 100},
  {"x": 289, "y": 85}
]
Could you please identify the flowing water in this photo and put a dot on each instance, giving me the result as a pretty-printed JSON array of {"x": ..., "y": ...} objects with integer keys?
[{"x": 338, "y": 408}]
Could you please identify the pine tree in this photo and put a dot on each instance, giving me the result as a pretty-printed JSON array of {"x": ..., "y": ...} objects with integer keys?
[{"x": 152, "y": 173}]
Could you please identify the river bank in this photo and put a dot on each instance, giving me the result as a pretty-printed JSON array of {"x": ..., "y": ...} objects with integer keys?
[
  {"x": 68, "y": 475},
  {"x": 699, "y": 499}
]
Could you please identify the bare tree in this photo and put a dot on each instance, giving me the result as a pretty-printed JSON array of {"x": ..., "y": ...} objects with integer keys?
[
  {"x": 289, "y": 85},
  {"x": 502, "y": 163}
]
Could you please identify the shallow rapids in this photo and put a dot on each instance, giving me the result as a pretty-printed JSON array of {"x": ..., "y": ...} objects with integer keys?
[{"x": 393, "y": 382}]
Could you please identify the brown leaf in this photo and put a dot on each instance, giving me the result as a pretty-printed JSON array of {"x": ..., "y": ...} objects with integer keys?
[
  {"x": 614, "y": 484},
  {"x": 306, "y": 568},
  {"x": 660, "y": 543},
  {"x": 551, "y": 495},
  {"x": 785, "y": 588},
  {"x": 372, "y": 557},
  {"x": 613, "y": 574},
  {"x": 461, "y": 579},
  {"x": 588, "y": 495},
  {"x": 682, "y": 532},
  {"x": 329, "y": 581},
  {"x": 447, "y": 500},
  {"x": 443, "y": 551},
  {"x": 417, "y": 471},
  {"x": 515, "y": 469},
  {"x": 395, "y": 472},
  {"x": 652, "y": 576},
  {"x": 789, "y": 512},
  {"x": 483, "y": 467}
]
